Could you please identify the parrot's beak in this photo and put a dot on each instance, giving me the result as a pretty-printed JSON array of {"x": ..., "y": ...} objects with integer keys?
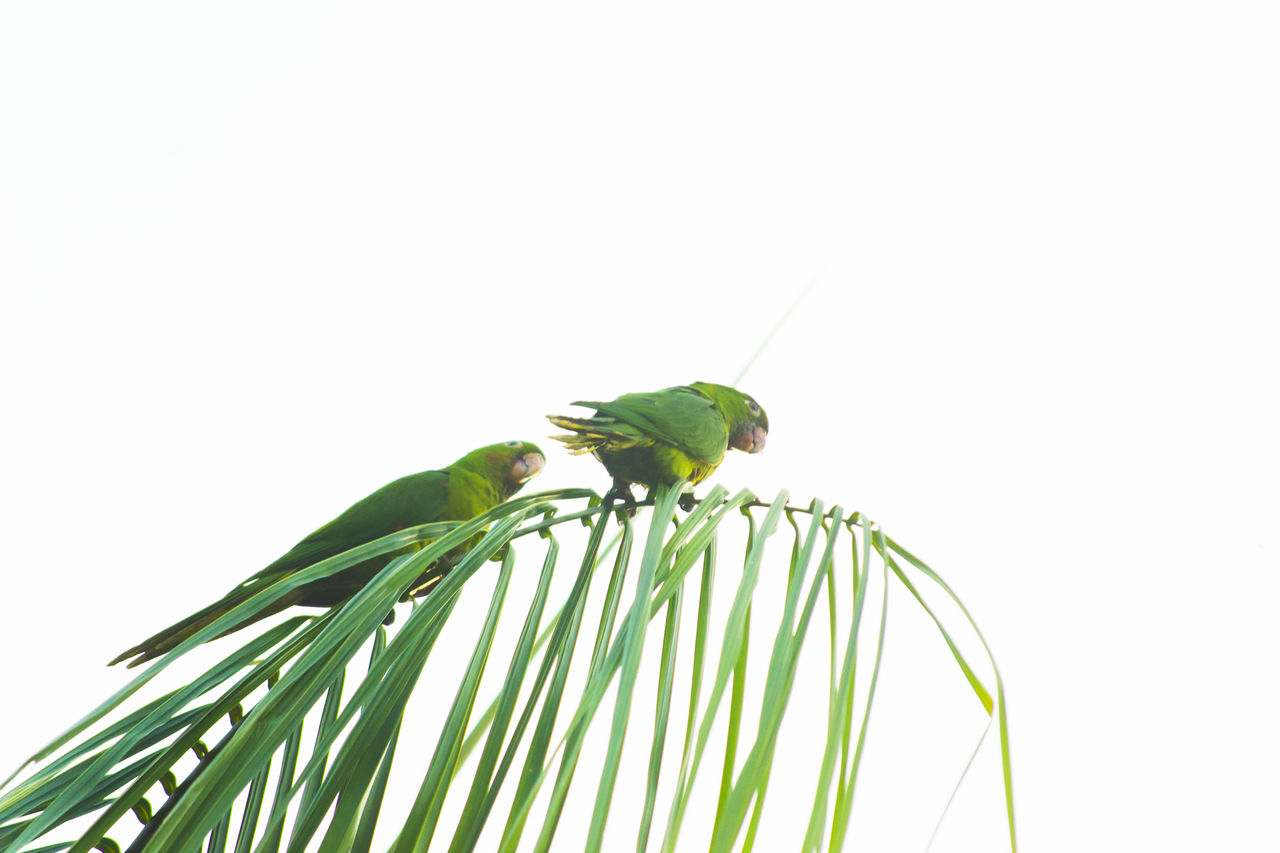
[
  {"x": 750, "y": 440},
  {"x": 527, "y": 467}
]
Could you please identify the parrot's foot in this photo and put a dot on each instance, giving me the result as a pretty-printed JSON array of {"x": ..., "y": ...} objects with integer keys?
[
  {"x": 622, "y": 491},
  {"x": 687, "y": 501},
  {"x": 422, "y": 587},
  {"x": 428, "y": 580}
]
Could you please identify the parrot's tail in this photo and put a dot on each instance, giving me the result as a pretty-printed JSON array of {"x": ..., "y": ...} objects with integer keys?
[
  {"x": 168, "y": 639},
  {"x": 588, "y": 435}
]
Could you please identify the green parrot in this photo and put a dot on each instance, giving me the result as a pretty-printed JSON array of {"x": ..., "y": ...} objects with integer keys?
[
  {"x": 474, "y": 484},
  {"x": 660, "y": 437}
]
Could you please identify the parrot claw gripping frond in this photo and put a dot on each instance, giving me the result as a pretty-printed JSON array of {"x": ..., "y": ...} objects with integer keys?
[{"x": 621, "y": 491}]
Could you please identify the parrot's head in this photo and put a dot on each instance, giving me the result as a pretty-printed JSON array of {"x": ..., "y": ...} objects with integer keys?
[
  {"x": 510, "y": 464},
  {"x": 748, "y": 424}
]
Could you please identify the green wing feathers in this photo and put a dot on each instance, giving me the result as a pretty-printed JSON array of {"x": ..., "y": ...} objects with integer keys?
[
  {"x": 678, "y": 433},
  {"x": 682, "y": 417},
  {"x": 475, "y": 483},
  {"x": 415, "y": 499},
  {"x": 169, "y": 639}
]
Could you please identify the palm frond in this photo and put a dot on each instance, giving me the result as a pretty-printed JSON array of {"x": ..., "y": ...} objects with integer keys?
[{"x": 307, "y": 735}]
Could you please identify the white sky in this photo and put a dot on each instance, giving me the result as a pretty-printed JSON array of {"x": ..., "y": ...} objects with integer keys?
[{"x": 259, "y": 259}]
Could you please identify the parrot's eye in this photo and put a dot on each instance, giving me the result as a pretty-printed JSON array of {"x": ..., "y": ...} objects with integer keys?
[
  {"x": 753, "y": 407},
  {"x": 513, "y": 444}
]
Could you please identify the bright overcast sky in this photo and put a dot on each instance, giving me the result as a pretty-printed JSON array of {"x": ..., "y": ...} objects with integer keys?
[{"x": 261, "y": 258}]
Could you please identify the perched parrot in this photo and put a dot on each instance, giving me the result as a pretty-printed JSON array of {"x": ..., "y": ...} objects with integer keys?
[
  {"x": 657, "y": 438},
  {"x": 474, "y": 484}
]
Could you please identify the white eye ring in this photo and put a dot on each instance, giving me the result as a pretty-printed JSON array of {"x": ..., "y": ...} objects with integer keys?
[
  {"x": 513, "y": 444},
  {"x": 753, "y": 406}
]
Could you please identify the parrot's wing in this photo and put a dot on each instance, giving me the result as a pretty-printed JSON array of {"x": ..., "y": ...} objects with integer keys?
[
  {"x": 682, "y": 417},
  {"x": 412, "y": 500},
  {"x": 416, "y": 499}
]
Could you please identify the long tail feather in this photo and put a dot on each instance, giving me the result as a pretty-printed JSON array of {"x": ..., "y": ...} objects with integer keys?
[
  {"x": 169, "y": 638},
  {"x": 591, "y": 434},
  {"x": 585, "y": 433}
]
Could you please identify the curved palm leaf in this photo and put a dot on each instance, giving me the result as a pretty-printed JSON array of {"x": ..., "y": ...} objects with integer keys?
[{"x": 266, "y": 785}]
